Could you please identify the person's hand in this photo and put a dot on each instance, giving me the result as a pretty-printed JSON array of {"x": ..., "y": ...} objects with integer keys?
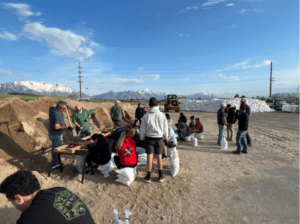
[{"x": 70, "y": 128}]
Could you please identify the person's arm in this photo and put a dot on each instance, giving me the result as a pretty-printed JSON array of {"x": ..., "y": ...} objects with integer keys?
[
  {"x": 58, "y": 127},
  {"x": 123, "y": 114},
  {"x": 143, "y": 129}
]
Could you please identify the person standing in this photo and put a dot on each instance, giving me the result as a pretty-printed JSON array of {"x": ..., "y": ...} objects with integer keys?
[
  {"x": 54, "y": 205},
  {"x": 222, "y": 122},
  {"x": 242, "y": 131},
  {"x": 139, "y": 112},
  {"x": 80, "y": 118},
  {"x": 230, "y": 120},
  {"x": 56, "y": 127},
  {"x": 117, "y": 113},
  {"x": 154, "y": 129},
  {"x": 248, "y": 111}
]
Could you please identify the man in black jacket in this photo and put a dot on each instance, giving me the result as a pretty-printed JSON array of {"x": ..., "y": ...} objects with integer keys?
[
  {"x": 139, "y": 113},
  {"x": 230, "y": 121},
  {"x": 243, "y": 127}
]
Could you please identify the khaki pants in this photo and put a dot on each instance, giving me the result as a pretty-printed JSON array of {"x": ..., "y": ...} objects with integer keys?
[{"x": 230, "y": 132}]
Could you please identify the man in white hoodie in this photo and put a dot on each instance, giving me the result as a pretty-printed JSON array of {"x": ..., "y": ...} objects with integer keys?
[{"x": 154, "y": 129}]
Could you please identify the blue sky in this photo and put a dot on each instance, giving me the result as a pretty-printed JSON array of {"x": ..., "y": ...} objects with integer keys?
[{"x": 185, "y": 47}]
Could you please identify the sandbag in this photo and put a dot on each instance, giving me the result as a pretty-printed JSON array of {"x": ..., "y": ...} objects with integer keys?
[
  {"x": 174, "y": 164},
  {"x": 139, "y": 151},
  {"x": 128, "y": 172},
  {"x": 194, "y": 141},
  {"x": 224, "y": 143},
  {"x": 106, "y": 169},
  {"x": 123, "y": 181},
  {"x": 199, "y": 135},
  {"x": 188, "y": 138},
  {"x": 170, "y": 151}
]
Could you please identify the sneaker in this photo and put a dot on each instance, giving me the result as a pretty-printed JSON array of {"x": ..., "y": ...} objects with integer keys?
[
  {"x": 236, "y": 152},
  {"x": 160, "y": 180},
  {"x": 147, "y": 180},
  {"x": 244, "y": 152}
]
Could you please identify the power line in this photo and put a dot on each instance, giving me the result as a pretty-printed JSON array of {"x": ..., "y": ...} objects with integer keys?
[{"x": 80, "y": 77}]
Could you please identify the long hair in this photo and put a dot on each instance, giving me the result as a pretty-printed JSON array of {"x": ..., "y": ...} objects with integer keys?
[{"x": 125, "y": 133}]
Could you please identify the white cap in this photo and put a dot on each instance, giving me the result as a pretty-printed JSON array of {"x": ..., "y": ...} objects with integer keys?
[
  {"x": 117, "y": 101},
  {"x": 243, "y": 100},
  {"x": 223, "y": 104}
]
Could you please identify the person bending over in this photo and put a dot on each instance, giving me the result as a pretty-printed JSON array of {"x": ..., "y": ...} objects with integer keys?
[
  {"x": 53, "y": 205},
  {"x": 126, "y": 149},
  {"x": 170, "y": 143},
  {"x": 99, "y": 152}
]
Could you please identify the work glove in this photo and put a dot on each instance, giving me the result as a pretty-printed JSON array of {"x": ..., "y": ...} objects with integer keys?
[
  {"x": 86, "y": 120},
  {"x": 80, "y": 128},
  {"x": 70, "y": 128}
]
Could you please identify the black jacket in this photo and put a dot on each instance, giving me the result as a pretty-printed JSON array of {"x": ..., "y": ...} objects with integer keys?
[
  {"x": 243, "y": 121},
  {"x": 183, "y": 118},
  {"x": 139, "y": 112},
  {"x": 231, "y": 116}
]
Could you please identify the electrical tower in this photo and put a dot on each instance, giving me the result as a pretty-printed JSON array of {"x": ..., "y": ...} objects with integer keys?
[
  {"x": 80, "y": 78},
  {"x": 271, "y": 80}
]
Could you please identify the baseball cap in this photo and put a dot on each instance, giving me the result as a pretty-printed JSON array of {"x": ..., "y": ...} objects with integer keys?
[
  {"x": 243, "y": 100},
  {"x": 223, "y": 104},
  {"x": 117, "y": 101},
  {"x": 152, "y": 101}
]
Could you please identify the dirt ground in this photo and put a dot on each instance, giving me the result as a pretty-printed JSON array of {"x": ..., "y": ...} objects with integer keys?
[{"x": 213, "y": 185}]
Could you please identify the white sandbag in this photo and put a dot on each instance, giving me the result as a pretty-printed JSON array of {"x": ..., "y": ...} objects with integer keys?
[
  {"x": 129, "y": 172},
  {"x": 143, "y": 155},
  {"x": 188, "y": 138},
  {"x": 142, "y": 159},
  {"x": 106, "y": 169},
  {"x": 141, "y": 163},
  {"x": 123, "y": 181},
  {"x": 174, "y": 165},
  {"x": 80, "y": 162},
  {"x": 171, "y": 150},
  {"x": 194, "y": 141},
  {"x": 199, "y": 135},
  {"x": 224, "y": 144}
]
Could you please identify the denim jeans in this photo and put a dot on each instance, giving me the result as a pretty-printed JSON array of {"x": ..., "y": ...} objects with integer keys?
[
  {"x": 120, "y": 121},
  {"x": 221, "y": 133},
  {"x": 84, "y": 133},
  {"x": 248, "y": 138},
  {"x": 241, "y": 139},
  {"x": 56, "y": 142},
  {"x": 183, "y": 134}
]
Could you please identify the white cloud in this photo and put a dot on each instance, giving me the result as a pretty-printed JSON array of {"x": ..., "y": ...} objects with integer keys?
[
  {"x": 11, "y": 73},
  {"x": 245, "y": 65},
  {"x": 243, "y": 10},
  {"x": 258, "y": 10},
  {"x": 189, "y": 8},
  {"x": 230, "y": 4},
  {"x": 8, "y": 36},
  {"x": 229, "y": 78},
  {"x": 212, "y": 2},
  {"x": 23, "y": 10},
  {"x": 153, "y": 77},
  {"x": 61, "y": 42},
  {"x": 183, "y": 35}
]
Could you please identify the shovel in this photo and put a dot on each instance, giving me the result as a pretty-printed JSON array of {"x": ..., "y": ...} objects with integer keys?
[
  {"x": 73, "y": 131},
  {"x": 82, "y": 128}
]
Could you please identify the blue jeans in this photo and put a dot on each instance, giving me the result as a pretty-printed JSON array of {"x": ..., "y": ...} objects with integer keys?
[
  {"x": 84, "y": 133},
  {"x": 56, "y": 142},
  {"x": 221, "y": 133},
  {"x": 120, "y": 121},
  {"x": 248, "y": 138},
  {"x": 183, "y": 134},
  {"x": 241, "y": 139}
]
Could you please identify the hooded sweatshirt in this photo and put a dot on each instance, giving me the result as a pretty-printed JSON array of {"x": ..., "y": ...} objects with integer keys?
[{"x": 154, "y": 124}]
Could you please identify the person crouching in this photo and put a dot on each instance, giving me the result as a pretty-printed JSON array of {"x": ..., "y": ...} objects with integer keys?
[{"x": 126, "y": 149}]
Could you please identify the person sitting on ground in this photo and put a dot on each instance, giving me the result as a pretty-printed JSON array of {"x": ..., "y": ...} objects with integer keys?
[
  {"x": 198, "y": 127},
  {"x": 126, "y": 149},
  {"x": 169, "y": 120},
  {"x": 53, "y": 205},
  {"x": 99, "y": 152},
  {"x": 181, "y": 117},
  {"x": 183, "y": 130},
  {"x": 192, "y": 123},
  {"x": 114, "y": 137},
  {"x": 170, "y": 143}
]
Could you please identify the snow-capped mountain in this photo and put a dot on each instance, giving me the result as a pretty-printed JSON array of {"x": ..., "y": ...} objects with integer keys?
[
  {"x": 139, "y": 94},
  {"x": 38, "y": 88}
]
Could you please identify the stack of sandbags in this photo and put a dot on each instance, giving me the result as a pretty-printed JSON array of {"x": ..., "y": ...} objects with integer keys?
[
  {"x": 290, "y": 108},
  {"x": 213, "y": 105},
  {"x": 126, "y": 175},
  {"x": 106, "y": 169},
  {"x": 174, "y": 163},
  {"x": 142, "y": 159}
]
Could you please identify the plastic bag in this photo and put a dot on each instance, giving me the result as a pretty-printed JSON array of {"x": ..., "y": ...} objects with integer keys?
[
  {"x": 188, "y": 138},
  {"x": 199, "y": 135},
  {"x": 143, "y": 155},
  {"x": 174, "y": 164},
  {"x": 224, "y": 144},
  {"x": 171, "y": 150},
  {"x": 127, "y": 214},
  {"x": 129, "y": 173},
  {"x": 142, "y": 159},
  {"x": 116, "y": 219},
  {"x": 124, "y": 181}
]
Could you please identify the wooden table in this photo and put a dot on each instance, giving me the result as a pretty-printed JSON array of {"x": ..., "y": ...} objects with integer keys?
[{"x": 67, "y": 150}]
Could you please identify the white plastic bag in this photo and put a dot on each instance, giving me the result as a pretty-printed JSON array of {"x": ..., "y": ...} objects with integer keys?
[
  {"x": 143, "y": 155},
  {"x": 127, "y": 214},
  {"x": 188, "y": 138},
  {"x": 116, "y": 219},
  {"x": 106, "y": 169},
  {"x": 171, "y": 150},
  {"x": 129, "y": 173},
  {"x": 124, "y": 181},
  {"x": 142, "y": 159},
  {"x": 224, "y": 143},
  {"x": 199, "y": 135}
]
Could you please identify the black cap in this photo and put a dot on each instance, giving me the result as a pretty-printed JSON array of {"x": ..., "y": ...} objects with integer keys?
[{"x": 152, "y": 101}]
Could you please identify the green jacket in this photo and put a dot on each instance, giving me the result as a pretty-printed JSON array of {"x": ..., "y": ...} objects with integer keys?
[{"x": 79, "y": 118}]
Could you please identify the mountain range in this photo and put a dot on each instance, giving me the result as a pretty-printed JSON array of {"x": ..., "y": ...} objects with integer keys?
[{"x": 139, "y": 94}]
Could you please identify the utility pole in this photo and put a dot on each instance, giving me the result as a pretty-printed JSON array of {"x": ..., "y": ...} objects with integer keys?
[
  {"x": 80, "y": 78},
  {"x": 271, "y": 80}
]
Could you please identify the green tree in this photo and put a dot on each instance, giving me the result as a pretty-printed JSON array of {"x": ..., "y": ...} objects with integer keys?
[
  {"x": 199, "y": 98},
  {"x": 243, "y": 96},
  {"x": 237, "y": 96}
]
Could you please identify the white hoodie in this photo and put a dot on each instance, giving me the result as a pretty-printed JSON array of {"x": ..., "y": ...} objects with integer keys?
[{"x": 154, "y": 124}]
